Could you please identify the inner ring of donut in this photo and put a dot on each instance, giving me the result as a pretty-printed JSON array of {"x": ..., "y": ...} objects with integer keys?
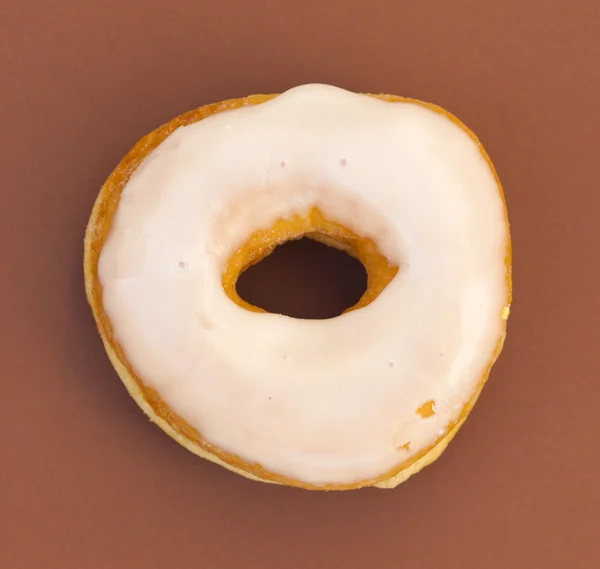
[{"x": 313, "y": 225}]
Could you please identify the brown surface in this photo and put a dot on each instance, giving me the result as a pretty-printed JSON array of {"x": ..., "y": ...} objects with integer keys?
[
  {"x": 85, "y": 481},
  {"x": 342, "y": 281}
]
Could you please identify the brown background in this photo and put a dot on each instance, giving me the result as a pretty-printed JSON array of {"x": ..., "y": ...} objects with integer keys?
[{"x": 87, "y": 482}]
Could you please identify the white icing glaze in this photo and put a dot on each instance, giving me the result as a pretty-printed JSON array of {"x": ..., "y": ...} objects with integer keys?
[{"x": 330, "y": 401}]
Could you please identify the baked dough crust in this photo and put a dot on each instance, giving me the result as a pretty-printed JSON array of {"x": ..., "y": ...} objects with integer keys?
[
  {"x": 316, "y": 226},
  {"x": 380, "y": 273}
]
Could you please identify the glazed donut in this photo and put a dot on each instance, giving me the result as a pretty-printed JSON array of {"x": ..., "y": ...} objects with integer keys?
[{"x": 364, "y": 399}]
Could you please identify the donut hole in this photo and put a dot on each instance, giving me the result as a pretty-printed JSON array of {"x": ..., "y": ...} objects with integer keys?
[
  {"x": 307, "y": 266},
  {"x": 304, "y": 279}
]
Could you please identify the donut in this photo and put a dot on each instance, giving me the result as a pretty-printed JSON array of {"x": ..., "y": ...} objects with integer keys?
[{"x": 367, "y": 398}]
